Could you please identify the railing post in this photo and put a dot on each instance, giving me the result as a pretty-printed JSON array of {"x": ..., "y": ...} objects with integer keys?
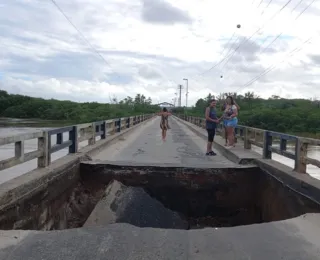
[
  {"x": 59, "y": 138},
  {"x": 104, "y": 130},
  {"x": 301, "y": 153},
  {"x": 128, "y": 122},
  {"x": 236, "y": 130},
  {"x": 73, "y": 136},
  {"x": 92, "y": 140},
  {"x": 49, "y": 148},
  {"x": 43, "y": 147},
  {"x": 119, "y": 125},
  {"x": 246, "y": 138},
  {"x": 19, "y": 150},
  {"x": 283, "y": 144},
  {"x": 267, "y": 142}
]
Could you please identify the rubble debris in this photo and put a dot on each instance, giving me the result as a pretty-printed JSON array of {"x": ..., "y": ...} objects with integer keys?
[{"x": 133, "y": 205}]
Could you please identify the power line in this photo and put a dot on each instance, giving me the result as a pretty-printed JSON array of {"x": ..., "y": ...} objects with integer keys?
[
  {"x": 247, "y": 39},
  {"x": 87, "y": 41},
  {"x": 226, "y": 56},
  {"x": 266, "y": 7},
  {"x": 278, "y": 36},
  {"x": 81, "y": 34},
  {"x": 272, "y": 67}
]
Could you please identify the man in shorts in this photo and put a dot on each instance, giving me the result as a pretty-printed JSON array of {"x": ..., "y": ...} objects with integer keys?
[{"x": 211, "y": 125}]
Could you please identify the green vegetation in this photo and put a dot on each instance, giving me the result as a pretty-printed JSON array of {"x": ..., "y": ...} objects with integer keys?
[
  {"x": 18, "y": 106},
  {"x": 294, "y": 116}
]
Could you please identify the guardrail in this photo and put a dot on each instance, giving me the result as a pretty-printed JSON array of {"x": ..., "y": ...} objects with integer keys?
[
  {"x": 75, "y": 133},
  {"x": 264, "y": 139}
]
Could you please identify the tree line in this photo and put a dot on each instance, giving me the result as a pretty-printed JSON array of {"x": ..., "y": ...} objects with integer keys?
[
  {"x": 19, "y": 106},
  {"x": 295, "y": 116}
]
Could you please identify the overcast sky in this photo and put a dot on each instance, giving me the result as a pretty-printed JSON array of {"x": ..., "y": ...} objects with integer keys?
[{"x": 149, "y": 46}]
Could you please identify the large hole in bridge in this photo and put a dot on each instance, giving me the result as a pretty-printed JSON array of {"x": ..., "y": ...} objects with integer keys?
[{"x": 197, "y": 199}]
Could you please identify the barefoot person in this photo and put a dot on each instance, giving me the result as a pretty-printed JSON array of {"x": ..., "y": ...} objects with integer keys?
[
  {"x": 231, "y": 120},
  {"x": 164, "y": 124},
  {"x": 211, "y": 125}
]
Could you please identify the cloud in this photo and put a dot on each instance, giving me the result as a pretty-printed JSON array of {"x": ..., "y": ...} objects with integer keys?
[
  {"x": 149, "y": 73},
  {"x": 162, "y": 12},
  {"x": 149, "y": 46}
]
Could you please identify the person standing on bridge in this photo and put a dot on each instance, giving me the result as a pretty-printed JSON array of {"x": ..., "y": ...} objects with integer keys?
[
  {"x": 230, "y": 120},
  {"x": 211, "y": 125},
  {"x": 164, "y": 124},
  {"x": 223, "y": 108}
]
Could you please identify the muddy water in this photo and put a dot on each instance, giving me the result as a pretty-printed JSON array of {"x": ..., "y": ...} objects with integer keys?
[
  {"x": 313, "y": 152},
  {"x": 7, "y": 151}
]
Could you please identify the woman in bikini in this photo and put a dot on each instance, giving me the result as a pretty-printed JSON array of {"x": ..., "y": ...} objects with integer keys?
[
  {"x": 230, "y": 120},
  {"x": 164, "y": 124}
]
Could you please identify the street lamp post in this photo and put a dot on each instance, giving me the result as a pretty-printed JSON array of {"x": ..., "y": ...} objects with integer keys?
[{"x": 187, "y": 92}]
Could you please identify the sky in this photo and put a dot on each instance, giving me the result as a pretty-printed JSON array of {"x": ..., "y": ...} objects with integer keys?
[{"x": 118, "y": 48}]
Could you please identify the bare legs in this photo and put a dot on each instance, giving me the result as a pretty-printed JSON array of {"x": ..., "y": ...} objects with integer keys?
[
  {"x": 226, "y": 135},
  {"x": 164, "y": 134},
  {"x": 209, "y": 147},
  {"x": 230, "y": 135}
]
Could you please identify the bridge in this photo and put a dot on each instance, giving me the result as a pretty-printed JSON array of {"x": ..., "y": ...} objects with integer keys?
[
  {"x": 117, "y": 191},
  {"x": 166, "y": 104}
]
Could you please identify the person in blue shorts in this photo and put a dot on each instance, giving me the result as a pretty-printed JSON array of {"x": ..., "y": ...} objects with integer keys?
[
  {"x": 230, "y": 120},
  {"x": 223, "y": 108}
]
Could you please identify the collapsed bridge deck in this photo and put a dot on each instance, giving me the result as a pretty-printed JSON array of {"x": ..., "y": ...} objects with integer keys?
[{"x": 255, "y": 213}]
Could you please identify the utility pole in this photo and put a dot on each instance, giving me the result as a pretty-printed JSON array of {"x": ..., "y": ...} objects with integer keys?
[
  {"x": 187, "y": 92},
  {"x": 179, "y": 100}
]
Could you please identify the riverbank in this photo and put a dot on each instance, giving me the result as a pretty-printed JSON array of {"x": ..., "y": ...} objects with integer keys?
[
  {"x": 308, "y": 135},
  {"x": 33, "y": 122}
]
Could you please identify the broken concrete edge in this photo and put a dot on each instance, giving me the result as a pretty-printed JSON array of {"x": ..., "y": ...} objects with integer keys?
[
  {"x": 298, "y": 234},
  {"x": 139, "y": 176},
  {"x": 26, "y": 185},
  {"x": 162, "y": 165},
  {"x": 13, "y": 237},
  {"x": 304, "y": 184},
  {"x": 103, "y": 208}
]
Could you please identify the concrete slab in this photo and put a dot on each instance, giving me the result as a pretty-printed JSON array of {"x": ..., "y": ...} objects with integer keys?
[
  {"x": 133, "y": 205},
  {"x": 293, "y": 239},
  {"x": 144, "y": 145}
]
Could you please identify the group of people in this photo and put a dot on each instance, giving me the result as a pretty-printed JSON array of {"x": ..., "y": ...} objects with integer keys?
[{"x": 229, "y": 117}]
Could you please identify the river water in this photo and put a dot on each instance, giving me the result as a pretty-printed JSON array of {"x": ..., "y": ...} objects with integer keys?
[{"x": 7, "y": 151}]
